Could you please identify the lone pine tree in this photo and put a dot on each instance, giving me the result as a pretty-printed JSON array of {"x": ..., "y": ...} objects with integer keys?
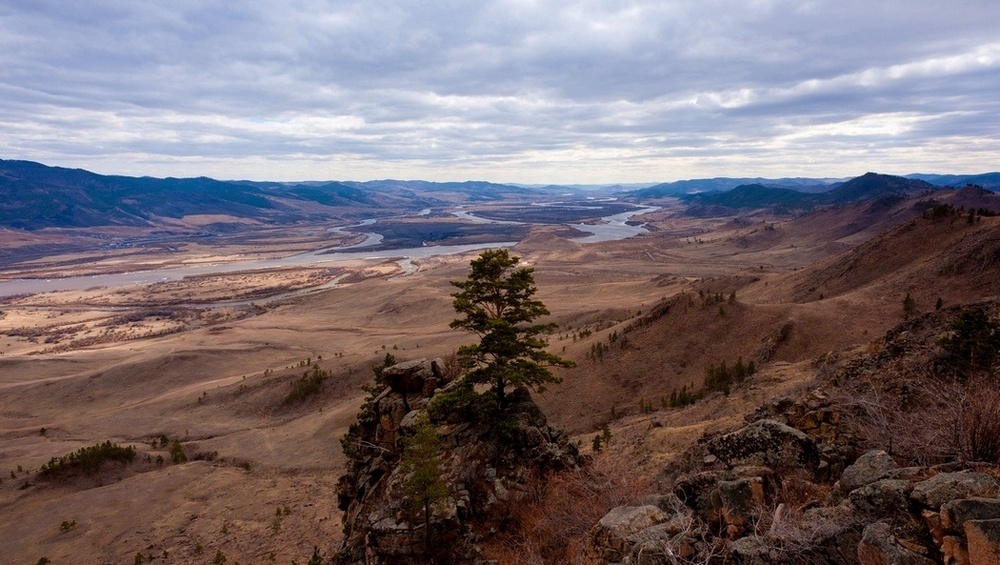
[{"x": 496, "y": 303}]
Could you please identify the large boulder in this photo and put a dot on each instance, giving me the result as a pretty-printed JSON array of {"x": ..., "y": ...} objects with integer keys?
[
  {"x": 879, "y": 547},
  {"x": 657, "y": 531},
  {"x": 766, "y": 442},
  {"x": 615, "y": 535},
  {"x": 740, "y": 499},
  {"x": 955, "y": 513},
  {"x": 754, "y": 550},
  {"x": 943, "y": 487},
  {"x": 867, "y": 469},
  {"x": 700, "y": 492},
  {"x": 882, "y": 499},
  {"x": 417, "y": 376}
]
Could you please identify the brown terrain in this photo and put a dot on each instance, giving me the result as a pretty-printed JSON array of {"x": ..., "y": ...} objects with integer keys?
[{"x": 209, "y": 361}]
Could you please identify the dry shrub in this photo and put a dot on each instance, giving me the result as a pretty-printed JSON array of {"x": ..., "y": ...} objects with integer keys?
[
  {"x": 553, "y": 527},
  {"x": 918, "y": 422},
  {"x": 784, "y": 527},
  {"x": 799, "y": 538},
  {"x": 981, "y": 420},
  {"x": 933, "y": 420},
  {"x": 797, "y": 490},
  {"x": 452, "y": 365}
]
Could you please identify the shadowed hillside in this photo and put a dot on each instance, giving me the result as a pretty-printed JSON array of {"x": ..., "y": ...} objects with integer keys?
[{"x": 776, "y": 318}]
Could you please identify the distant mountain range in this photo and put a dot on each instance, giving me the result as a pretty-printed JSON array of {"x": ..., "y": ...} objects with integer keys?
[
  {"x": 35, "y": 196},
  {"x": 866, "y": 188},
  {"x": 869, "y": 186},
  {"x": 990, "y": 181}
]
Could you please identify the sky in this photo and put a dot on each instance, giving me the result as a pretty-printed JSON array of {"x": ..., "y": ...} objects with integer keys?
[{"x": 586, "y": 91}]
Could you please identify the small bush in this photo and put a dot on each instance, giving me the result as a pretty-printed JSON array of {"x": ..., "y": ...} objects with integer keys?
[
  {"x": 177, "y": 454},
  {"x": 460, "y": 401}
]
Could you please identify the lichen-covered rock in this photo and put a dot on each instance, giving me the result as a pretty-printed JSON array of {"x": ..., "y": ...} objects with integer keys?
[
  {"x": 615, "y": 535},
  {"x": 681, "y": 517},
  {"x": 879, "y": 547},
  {"x": 766, "y": 442},
  {"x": 739, "y": 500},
  {"x": 870, "y": 467},
  {"x": 700, "y": 492},
  {"x": 754, "y": 550},
  {"x": 943, "y": 487},
  {"x": 645, "y": 534},
  {"x": 657, "y": 546},
  {"x": 819, "y": 536},
  {"x": 955, "y": 513},
  {"x": 886, "y": 498}
]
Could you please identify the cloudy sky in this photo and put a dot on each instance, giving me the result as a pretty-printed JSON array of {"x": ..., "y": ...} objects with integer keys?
[{"x": 589, "y": 91}]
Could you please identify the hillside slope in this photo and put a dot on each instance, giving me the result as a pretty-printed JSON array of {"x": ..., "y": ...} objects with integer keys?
[{"x": 772, "y": 318}]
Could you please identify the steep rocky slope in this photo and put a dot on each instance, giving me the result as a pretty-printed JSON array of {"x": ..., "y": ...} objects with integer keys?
[{"x": 487, "y": 466}]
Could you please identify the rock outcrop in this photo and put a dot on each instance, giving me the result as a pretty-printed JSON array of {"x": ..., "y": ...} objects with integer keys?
[
  {"x": 488, "y": 465},
  {"x": 759, "y": 496}
]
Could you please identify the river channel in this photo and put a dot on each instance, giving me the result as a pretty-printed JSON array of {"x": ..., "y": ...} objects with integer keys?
[{"x": 607, "y": 229}]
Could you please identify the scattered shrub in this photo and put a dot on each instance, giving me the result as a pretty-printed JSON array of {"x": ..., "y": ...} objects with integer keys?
[
  {"x": 973, "y": 344},
  {"x": 88, "y": 459},
  {"x": 310, "y": 383},
  {"x": 177, "y": 454},
  {"x": 684, "y": 397},
  {"x": 909, "y": 306},
  {"x": 720, "y": 378},
  {"x": 602, "y": 439}
]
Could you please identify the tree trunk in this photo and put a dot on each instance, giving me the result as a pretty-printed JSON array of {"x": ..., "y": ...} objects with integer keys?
[
  {"x": 427, "y": 527},
  {"x": 499, "y": 386}
]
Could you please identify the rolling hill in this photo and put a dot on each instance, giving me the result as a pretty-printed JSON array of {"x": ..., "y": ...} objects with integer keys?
[{"x": 35, "y": 196}]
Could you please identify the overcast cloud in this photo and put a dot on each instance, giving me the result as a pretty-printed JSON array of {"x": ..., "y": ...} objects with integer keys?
[{"x": 514, "y": 90}]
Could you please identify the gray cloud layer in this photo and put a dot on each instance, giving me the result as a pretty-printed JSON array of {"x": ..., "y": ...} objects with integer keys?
[{"x": 513, "y": 90}]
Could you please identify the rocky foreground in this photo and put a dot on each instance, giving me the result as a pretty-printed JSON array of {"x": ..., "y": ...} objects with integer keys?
[{"x": 877, "y": 464}]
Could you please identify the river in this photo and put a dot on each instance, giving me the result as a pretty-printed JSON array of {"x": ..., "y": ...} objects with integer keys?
[{"x": 610, "y": 228}]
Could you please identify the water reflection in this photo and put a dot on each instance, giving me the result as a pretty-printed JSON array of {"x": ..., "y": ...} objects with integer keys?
[{"x": 610, "y": 228}]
